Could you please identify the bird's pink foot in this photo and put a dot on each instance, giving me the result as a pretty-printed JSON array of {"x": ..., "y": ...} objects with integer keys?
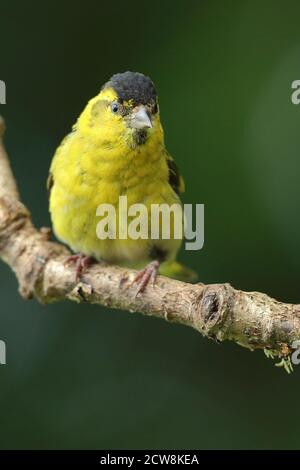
[
  {"x": 81, "y": 262},
  {"x": 149, "y": 273}
]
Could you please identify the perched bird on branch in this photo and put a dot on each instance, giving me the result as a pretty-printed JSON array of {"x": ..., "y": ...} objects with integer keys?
[{"x": 116, "y": 149}]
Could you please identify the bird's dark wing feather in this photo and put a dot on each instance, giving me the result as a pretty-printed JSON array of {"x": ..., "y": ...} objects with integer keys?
[
  {"x": 175, "y": 178},
  {"x": 50, "y": 182}
]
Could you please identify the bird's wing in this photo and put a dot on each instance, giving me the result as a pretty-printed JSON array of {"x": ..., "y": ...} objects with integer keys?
[
  {"x": 175, "y": 178},
  {"x": 50, "y": 182}
]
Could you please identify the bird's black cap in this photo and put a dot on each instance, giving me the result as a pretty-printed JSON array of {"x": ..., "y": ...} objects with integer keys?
[{"x": 133, "y": 86}]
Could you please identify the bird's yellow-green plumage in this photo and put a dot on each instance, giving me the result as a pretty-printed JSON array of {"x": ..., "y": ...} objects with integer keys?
[{"x": 113, "y": 151}]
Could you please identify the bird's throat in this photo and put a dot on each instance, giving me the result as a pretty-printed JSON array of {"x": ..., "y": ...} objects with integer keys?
[{"x": 140, "y": 136}]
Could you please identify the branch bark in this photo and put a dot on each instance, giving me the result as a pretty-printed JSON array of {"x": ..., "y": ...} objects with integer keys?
[{"x": 218, "y": 311}]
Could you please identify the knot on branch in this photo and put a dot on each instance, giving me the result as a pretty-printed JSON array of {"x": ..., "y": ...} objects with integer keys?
[{"x": 213, "y": 310}]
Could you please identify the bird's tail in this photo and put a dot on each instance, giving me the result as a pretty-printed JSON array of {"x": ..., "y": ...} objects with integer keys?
[{"x": 178, "y": 271}]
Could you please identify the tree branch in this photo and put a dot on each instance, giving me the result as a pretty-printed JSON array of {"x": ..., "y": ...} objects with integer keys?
[{"x": 217, "y": 311}]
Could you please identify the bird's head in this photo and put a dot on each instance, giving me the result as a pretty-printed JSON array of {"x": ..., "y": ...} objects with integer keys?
[{"x": 124, "y": 112}]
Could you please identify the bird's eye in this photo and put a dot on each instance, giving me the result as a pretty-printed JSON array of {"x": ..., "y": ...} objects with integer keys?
[{"x": 115, "y": 107}]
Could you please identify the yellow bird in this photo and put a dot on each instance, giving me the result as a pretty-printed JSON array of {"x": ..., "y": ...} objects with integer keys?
[{"x": 115, "y": 149}]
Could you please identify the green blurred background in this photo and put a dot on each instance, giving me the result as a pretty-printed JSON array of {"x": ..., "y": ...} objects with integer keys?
[{"x": 80, "y": 376}]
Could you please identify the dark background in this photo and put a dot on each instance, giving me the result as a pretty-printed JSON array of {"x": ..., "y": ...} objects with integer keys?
[{"x": 80, "y": 376}]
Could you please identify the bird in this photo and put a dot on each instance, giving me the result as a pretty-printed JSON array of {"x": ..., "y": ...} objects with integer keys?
[{"x": 116, "y": 148}]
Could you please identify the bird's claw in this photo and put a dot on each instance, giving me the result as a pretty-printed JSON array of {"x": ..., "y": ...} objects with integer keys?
[
  {"x": 148, "y": 274},
  {"x": 81, "y": 262}
]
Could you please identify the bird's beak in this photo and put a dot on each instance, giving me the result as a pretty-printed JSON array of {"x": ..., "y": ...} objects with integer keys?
[{"x": 140, "y": 119}]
